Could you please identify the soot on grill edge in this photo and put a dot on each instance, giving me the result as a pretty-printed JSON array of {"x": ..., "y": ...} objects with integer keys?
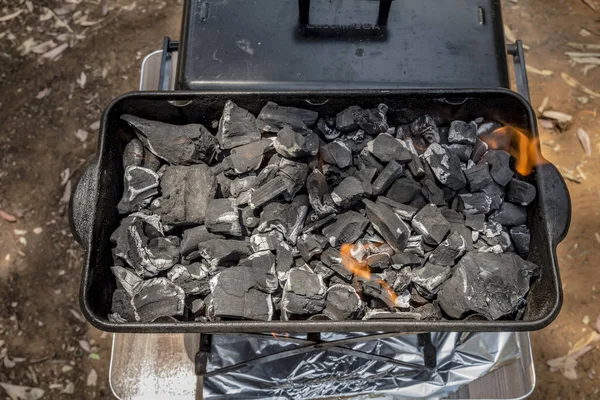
[{"x": 292, "y": 215}]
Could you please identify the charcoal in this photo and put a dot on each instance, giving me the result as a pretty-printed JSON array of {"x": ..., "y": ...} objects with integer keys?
[
  {"x": 150, "y": 255},
  {"x": 403, "y": 132},
  {"x": 336, "y": 153},
  {"x": 333, "y": 174},
  {"x": 429, "y": 311},
  {"x": 430, "y": 223},
  {"x": 432, "y": 192},
  {"x": 358, "y": 137},
  {"x": 264, "y": 269},
  {"x": 223, "y": 185},
  {"x": 479, "y": 149},
  {"x": 486, "y": 283},
  {"x": 496, "y": 193},
  {"x": 193, "y": 278},
  {"x": 378, "y": 261},
  {"x": 478, "y": 177},
  {"x": 242, "y": 184},
  {"x": 273, "y": 117},
  {"x": 243, "y": 199},
  {"x": 366, "y": 160},
  {"x": 223, "y": 217},
  {"x": 416, "y": 298},
  {"x": 126, "y": 279},
  {"x": 487, "y": 127},
  {"x": 405, "y": 212},
  {"x": 248, "y": 157},
  {"x": 385, "y": 179},
  {"x": 193, "y": 236},
  {"x": 475, "y": 203},
  {"x": 323, "y": 270},
  {"x": 141, "y": 185},
  {"x": 197, "y": 307},
  {"x": 430, "y": 277},
  {"x": 424, "y": 127},
  {"x": 393, "y": 229},
  {"x": 387, "y": 148},
  {"x": 344, "y": 120},
  {"x": 402, "y": 280},
  {"x": 186, "y": 192},
  {"x": 336, "y": 261},
  {"x": 121, "y": 307},
  {"x": 462, "y": 133},
  {"x": 445, "y": 166},
  {"x": 379, "y": 290},
  {"x": 415, "y": 245},
  {"x": 120, "y": 236},
  {"x": 134, "y": 154},
  {"x": 462, "y": 151},
  {"x": 510, "y": 214},
  {"x": 366, "y": 176},
  {"x": 267, "y": 192},
  {"x": 274, "y": 216},
  {"x": 326, "y": 127},
  {"x": 157, "y": 297},
  {"x": 237, "y": 127},
  {"x": 475, "y": 221},
  {"x": 372, "y": 121},
  {"x": 249, "y": 218},
  {"x": 499, "y": 165},
  {"x": 235, "y": 296},
  {"x": 176, "y": 144},
  {"x": 318, "y": 224},
  {"x": 290, "y": 143},
  {"x": 284, "y": 260},
  {"x": 348, "y": 192},
  {"x": 310, "y": 245},
  {"x": 403, "y": 259},
  {"x": 222, "y": 252},
  {"x": 403, "y": 190},
  {"x": 266, "y": 241},
  {"x": 520, "y": 192},
  {"x": 296, "y": 217},
  {"x": 342, "y": 302},
  {"x": 452, "y": 216},
  {"x": 266, "y": 174},
  {"x": 521, "y": 238},
  {"x": 449, "y": 250},
  {"x": 294, "y": 175},
  {"x": 303, "y": 294}
]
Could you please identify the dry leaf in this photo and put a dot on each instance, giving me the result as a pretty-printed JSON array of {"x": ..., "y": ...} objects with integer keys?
[
  {"x": 27, "y": 46},
  {"x": 85, "y": 345},
  {"x": 69, "y": 388},
  {"x": 542, "y": 106},
  {"x": 55, "y": 52},
  {"x": 67, "y": 193},
  {"x": 95, "y": 125},
  {"x": 43, "y": 47},
  {"x": 81, "y": 81},
  {"x": 534, "y": 70},
  {"x": 557, "y": 116},
  {"x": 546, "y": 123},
  {"x": 576, "y": 85},
  {"x": 16, "y": 392},
  {"x": 43, "y": 93},
  {"x": 584, "y": 46},
  {"x": 510, "y": 36},
  {"x": 85, "y": 22},
  {"x": 81, "y": 135},
  {"x": 77, "y": 315},
  {"x": 130, "y": 7},
  {"x": 7, "y": 217},
  {"x": 48, "y": 14},
  {"x": 11, "y": 16},
  {"x": 593, "y": 4},
  {"x": 586, "y": 319},
  {"x": 589, "y": 67},
  {"x": 64, "y": 176},
  {"x": 585, "y": 33},
  {"x": 29, "y": 5},
  {"x": 92, "y": 378}
]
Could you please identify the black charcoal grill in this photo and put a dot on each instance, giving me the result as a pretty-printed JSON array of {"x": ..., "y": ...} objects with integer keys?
[{"x": 454, "y": 73}]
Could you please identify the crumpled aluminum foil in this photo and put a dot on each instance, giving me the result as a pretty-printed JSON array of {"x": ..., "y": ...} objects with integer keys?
[{"x": 461, "y": 358}]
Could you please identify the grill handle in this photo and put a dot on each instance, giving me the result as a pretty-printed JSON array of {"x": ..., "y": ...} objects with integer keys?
[{"x": 81, "y": 205}]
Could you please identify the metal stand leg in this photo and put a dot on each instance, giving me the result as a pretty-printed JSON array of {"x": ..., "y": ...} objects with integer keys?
[
  {"x": 201, "y": 359},
  {"x": 429, "y": 352}
]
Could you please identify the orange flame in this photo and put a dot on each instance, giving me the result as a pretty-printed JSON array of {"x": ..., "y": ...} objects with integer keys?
[
  {"x": 277, "y": 336},
  {"x": 522, "y": 147},
  {"x": 361, "y": 268}
]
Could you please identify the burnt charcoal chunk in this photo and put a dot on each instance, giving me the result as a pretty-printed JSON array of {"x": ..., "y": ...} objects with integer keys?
[
  {"x": 237, "y": 127},
  {"x": 385, "y": 179},
  {"x": 234, "y": 296},
  {"x": 320, "y": 268},
  {"x": 267, "y": 192},
  {"x": 336, "y": 260},
  {"x": 290, "y": 143},
  {"x": 266, "y": 241},
  {"x": 430, "y": 277},
  {"x": 521, "y": 238},
  {"x": 388, "y": 224},
  {"x": 499, "y": 161},
  {"x": 449, "y": 250},
  {"x": 425, "y": 127},
  {"x": 193, "y": 236},
  {"x": 487, "y": 127},
  {"x": 242, "y": 184},
  {"x": 347, "y": 228},
  {"x": 342, "y": 302},
  {"x": 432, "y": 192},
  {"x": 150, "y": 255},
  {"x": 222, "y": 252},
  {"x": 141, "y": 185},
  {"x": 326, "y": 127},
  {"x": 415, "y": 245},
  {"x": 126, "y": 279},
  {"x": 120, "y": 237},
  {"x": 402, "y": 280},
  {"x": 158, "y": 297},
  {"x": 520, "y": 192},
  {"x": 349, "y": 192},
  {"x": 372, "y": 121},
  {"x": 387, "y": 148},
  {"x": 462, "y": 151},
  {"x": 273, "y": 117},
  {"x": 496, "y": 193},
  {"x": 336, "y": 153},
  {"x": 176, "y": 144},
  {"x": 366, "y": 176},
  {"x": 381, "y": 291},
  {"x": 475, "y": 222},
  {"x": 510, "y": 214},
  {"x": 431, "y": 224},
  {"x": 121, "y": 306},
  {"x": 452, "y": 216},
  {"x": 303, "y": 294},
  {"x": 462, "y": 133},
  {"x": 223, "y": 217},
  {"x": 266, "y": 174},
  {"x": 193, "y": 278},
  {"x": 186, "y": 192},
  {"x": 475, "y": 203},
  {"x": 134, "y": 154},
  {"x": 197, "y": 307},
  {"x": 248, "y": 157},
  {"x": 296, "y": 217},
  {"x": 317, "y": 223},
  {"x": 401, "y": 260},
  {"x": 379, "y": 261},
  {"x": 486, "y": 283},
  {"x": 249, "y": 218},
  {"x": 284, "y": 260},
  {"x": 445, "y": 166},
  {"x": 274, "y": 216},
  {"x": 294, "y": 175},
  {"x": 404, "y": 190},
  {"x": 263, "y": 267},
  {"x": 479, "y": 149},
  {"x": 310, "y": 245},
  {"x": 404, "y": 211},
  {"x": 366, "y": 160},
  {"x": 478, "y": 177},
  {"x": 344, "y": 120},
  {"x": 223, "y": 185}
]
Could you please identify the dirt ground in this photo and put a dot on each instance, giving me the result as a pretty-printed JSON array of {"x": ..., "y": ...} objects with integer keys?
[{"x": 48, "y": 123}]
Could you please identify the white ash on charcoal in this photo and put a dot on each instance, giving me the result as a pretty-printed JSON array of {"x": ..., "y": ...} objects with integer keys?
[{"x": 293, "y": 215}]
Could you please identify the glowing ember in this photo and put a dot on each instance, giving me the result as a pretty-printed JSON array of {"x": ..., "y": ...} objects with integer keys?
[{"x": 518, "y": 144}]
